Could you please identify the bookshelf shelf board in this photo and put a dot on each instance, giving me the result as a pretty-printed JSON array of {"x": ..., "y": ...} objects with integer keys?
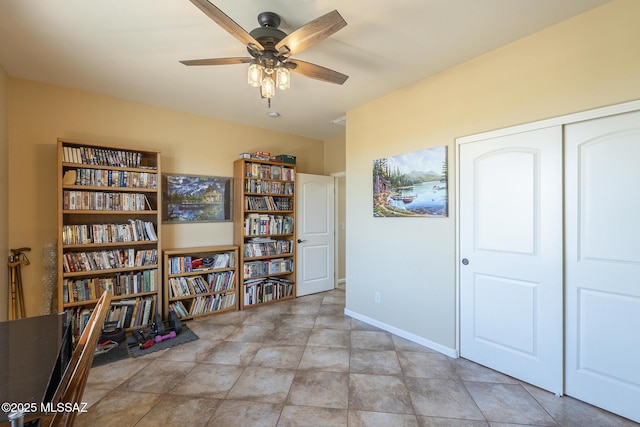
[
  {"x": 284, "y": 273},
  {"x": 112, "y": 244},
  {"x": 110, "y": 189},
  {"x": 97, "y": 212},
  {"x": 205, "y": 294},
  {"x": 200, "y": 272},
  {"x": 258, "y": 258},
  {"x": 109, "y": 271},
  {"x": 264, "y": 211},
  {"x": 273, "y": 301},
  {"x": 114, "y": 298},
  {"x": 249, "y": 236},
  {"x": 269, "y": 194},
  {"x": 69, "y": 165},
  {"x": 209, "y": 313}
]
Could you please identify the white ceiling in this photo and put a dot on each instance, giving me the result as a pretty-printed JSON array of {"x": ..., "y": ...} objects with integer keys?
[{"x": 130, "y": 49}]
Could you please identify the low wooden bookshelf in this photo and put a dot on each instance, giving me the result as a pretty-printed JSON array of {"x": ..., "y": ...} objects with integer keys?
[{"x": 200, "y": 281}]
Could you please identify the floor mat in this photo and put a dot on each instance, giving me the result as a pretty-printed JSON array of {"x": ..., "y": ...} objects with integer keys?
[{"x": 129, "y": 348}]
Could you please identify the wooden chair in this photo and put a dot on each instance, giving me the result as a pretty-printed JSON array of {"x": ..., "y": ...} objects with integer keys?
[{"x": 75, "y": 376}]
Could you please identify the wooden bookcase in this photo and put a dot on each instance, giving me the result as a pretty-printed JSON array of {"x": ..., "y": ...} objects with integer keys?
[
  {"x": 200, "y": 281},
  {"x": 108, "y": 231},
  {"x": 264, "y": 213}
]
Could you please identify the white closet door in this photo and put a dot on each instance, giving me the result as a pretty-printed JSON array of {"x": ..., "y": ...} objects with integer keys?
[
  {"x": 511, "y": 255},
  {"x": 603, "y": 262}
]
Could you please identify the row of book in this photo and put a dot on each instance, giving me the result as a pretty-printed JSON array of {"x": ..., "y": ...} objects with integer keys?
[
  {"x": 132, "y": 313},
  {"x": 267, "y": 267},
  {"x": 268, "y": 203},
  {"x": 187, "y": 264},
  {"x": 194, "y": 285},
  {"x": 267, "y": 246},
  {"x": 99, "y": 201},
  {"x": 203, "y": 304},
  {"x": 111, "y": 178},
  {"x": 108, "y": 259},
  {"x": 128, "y": 313},
  {"x": 102, "y": 157},
  {"x": 91, "y": 288},
  {"x": 263, "y": 290},
  {"x": 135, "y": 230},
  {"x": 222, "y": 281},
  {"x": 278, "y": 172},
  {"x": 186, "y": 286},
  {"x": 263, "y": 224},
  {"x": 268, "y": 187}
]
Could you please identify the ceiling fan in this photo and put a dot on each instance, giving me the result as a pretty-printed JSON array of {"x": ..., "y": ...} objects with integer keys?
[{"x": 271, "y": 48}]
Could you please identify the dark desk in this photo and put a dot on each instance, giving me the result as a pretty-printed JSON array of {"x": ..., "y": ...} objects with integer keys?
[{"x": 33, "y": 354}]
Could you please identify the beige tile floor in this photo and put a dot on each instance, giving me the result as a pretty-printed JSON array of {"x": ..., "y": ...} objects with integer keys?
[{"x": 304, "y": 363}]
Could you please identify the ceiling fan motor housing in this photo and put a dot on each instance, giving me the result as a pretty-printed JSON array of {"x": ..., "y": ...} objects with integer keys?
[{"x": 267, "y": 34}]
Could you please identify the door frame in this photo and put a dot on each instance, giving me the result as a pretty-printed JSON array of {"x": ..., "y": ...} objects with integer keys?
[
  {"x": 336, "y": 226},
  {"x": 556, "y": 121}
]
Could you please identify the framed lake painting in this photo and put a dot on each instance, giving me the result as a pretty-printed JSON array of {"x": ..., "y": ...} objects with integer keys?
[
  {"x": 195, "y": 198},
  {"x": 411, "y": 185}
]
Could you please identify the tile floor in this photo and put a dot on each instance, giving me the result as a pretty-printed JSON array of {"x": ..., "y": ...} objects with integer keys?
[{"x": 304, "y": 363}]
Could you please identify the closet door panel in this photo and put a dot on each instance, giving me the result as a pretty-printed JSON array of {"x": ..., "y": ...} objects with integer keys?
[
  {"x": 602, "y": 178},
  {"x": 511, "y": 255}
]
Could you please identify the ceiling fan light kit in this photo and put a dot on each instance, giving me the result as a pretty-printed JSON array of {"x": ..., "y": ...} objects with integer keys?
[
  {"x": 270, "y": 49},
  {"x": 261, "y": 76}
]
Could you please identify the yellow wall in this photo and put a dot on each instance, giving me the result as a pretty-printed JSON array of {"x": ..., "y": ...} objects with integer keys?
[
  {"x": 334, "y": 151},
  {"x": 39, "y": 114},
  {"x": 334, "y": 162},
  {"x": 586, "y": 62},
  {"x": 4, "y": 185}
]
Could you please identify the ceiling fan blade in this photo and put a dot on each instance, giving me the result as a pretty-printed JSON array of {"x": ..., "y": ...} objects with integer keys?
[
  {"x": 228, "y": 24},
  {"x": 216, "y": 61},
  {"x": 317, "y": 72},
  {"x": 311, "y": 33}
]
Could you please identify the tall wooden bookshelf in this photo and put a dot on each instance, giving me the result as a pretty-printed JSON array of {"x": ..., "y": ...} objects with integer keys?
[
  {"x": 264, "y": 213},
  {"x": 108, "y": 231},
  {"x": 200, "y": 281}
]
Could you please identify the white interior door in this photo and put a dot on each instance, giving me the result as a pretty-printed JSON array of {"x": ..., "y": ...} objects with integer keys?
[
  {"x": 315, "y": 228},
  {"x": 603, "y": 262},
  {"x": 511, "y": 282}
]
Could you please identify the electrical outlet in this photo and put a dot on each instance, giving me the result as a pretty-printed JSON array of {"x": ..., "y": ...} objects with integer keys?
[{"x": 377, "y": 296}]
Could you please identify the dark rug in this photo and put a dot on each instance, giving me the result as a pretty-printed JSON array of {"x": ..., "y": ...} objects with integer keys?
[{"x": 129, "y": 348}]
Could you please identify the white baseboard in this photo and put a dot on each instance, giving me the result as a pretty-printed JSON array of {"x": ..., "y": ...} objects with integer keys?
[
  {"x": 342, "y": 281},
  {"x": 451, "y": 352}
]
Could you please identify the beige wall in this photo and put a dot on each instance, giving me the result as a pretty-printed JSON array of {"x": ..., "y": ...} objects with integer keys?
[
  {"x": 334, "y": 163},
  {"x": 4, "y": 186},
  {"x": 341, "y": 227},
  {"x": 587, "y": 62},
  {"x": 39, "y": 114},
  {"x": 334, "y": 154}
]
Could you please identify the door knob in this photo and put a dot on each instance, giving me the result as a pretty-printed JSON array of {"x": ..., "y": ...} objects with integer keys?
[
  {"x": 465, "y": 261},
  {"x": 301, "y": 241}
]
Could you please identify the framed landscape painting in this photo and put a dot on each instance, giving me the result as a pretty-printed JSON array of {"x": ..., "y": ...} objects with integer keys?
[
  {"x": 411, "y": 185},
  {"x": 195, "y": 198}
]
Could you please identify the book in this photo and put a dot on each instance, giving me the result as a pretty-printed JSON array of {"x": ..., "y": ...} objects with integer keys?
[{"x": 70, "y": 177}]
